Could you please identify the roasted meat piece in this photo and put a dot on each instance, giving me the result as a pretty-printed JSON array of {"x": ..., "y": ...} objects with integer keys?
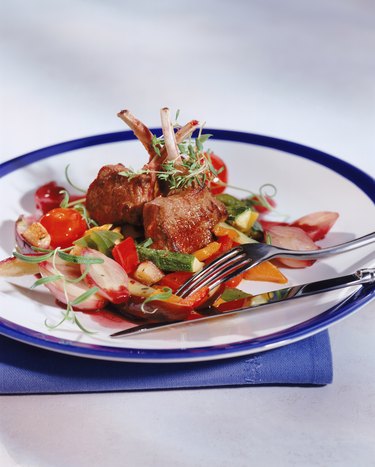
[
  {"x": 115, "y": 199},
  {"x": 183, "y": 221}
]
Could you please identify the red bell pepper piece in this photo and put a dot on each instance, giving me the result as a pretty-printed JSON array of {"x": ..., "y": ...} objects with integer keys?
[
  {"x": 174, "y": 280},
  {"x": 125, "y": 253}
]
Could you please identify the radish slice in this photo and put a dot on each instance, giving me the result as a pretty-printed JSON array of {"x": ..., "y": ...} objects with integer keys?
[
  {"x": 317, "y": 224},
  {"x": 109, "y": 276},
  {"x": 70, "y": 271},
  {"x": 292, "y": 238}
]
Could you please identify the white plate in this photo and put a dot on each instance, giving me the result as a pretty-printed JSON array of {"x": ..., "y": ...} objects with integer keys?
[{"x": 307, "y": 180}]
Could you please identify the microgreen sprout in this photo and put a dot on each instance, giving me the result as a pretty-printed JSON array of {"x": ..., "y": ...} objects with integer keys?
[{"x": 68, "y": 179}]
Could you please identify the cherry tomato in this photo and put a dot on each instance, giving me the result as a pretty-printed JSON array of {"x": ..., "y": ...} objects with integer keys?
[
  {"x": 48, "y": 197},
  {"x": 219, "y": 165},
  {"x": 64, "y": 226}
]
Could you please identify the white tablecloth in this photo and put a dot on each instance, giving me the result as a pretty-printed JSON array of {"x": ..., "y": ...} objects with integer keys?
[{"x": 298, "y": 70}]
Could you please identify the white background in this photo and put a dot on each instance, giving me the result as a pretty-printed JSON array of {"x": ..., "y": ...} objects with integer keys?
[{"x": 298, "y": 70}]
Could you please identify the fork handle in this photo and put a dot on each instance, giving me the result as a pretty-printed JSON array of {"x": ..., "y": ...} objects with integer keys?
[{"x": 323, "y": 252}]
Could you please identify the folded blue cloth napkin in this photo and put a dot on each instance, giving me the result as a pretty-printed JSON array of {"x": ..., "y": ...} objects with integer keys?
[{"x": 29, "y": 370}]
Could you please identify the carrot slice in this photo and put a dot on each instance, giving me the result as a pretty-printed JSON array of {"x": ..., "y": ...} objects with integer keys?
[{"x": 265, "y": 272}]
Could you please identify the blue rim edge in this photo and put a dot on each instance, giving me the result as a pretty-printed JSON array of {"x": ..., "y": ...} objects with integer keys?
[{"x": 311, "y": 326}]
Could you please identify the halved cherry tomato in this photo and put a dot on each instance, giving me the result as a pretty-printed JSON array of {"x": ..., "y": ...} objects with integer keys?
[
  {"x": 65, "y": 225},
  {"x": 125, "y": 253},
  {"x": 174, "y": 280},
  {"x": 49, "y": 196},
  {"x": 317, "y": 224},
  {"x": 219, "y": 166}
]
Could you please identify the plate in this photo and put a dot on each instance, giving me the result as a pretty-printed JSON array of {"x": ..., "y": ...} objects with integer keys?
[{"x": 307, "y": 180}]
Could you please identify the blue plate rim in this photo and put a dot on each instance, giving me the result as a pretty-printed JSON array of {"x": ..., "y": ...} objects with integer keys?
[{"x": 289, "y": 335}]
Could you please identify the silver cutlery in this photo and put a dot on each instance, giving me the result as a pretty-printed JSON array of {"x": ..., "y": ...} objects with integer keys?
[
  {"x": 244, "y": 257},
  {"x": 249, "y": 302}
]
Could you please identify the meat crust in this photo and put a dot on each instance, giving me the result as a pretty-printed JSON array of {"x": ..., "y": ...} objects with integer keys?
[
  {"x": 115, "y": 199},
  {"x": 183, "y": 221}
]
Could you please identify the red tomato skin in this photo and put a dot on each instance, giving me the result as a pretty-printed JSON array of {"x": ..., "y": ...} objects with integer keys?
[
  {"x": 218, "y": 164},
  {"x": 65, "y": 225},
  {"x": 125, "y": 253},
  {"x": 48, "y": 197}
]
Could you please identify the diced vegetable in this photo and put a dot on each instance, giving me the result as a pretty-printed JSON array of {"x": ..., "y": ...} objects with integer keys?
[
  {"x": 292, "y": 238},
  {"x": 148, "y": 273},
  {"x": 240, "y": 215},
  {"x": 170, "y": 261},
  {"x": 206, "y": 252},
  {"x": 230, "y": 294},
  {"x": 125, "y": 253},
  {"x": 267, "y": 272},
  {"x": 12, "y": 267},
  {"x": 224, "y": 229},
  {"x": 174, "y": 280},
  {"x": 102, "y": 240},
  {"x": 109, "y": 276},
  {"x": 317, "y": 224},
  {"x": 245, "y": 220},
  {"x": 137, "y": 289}
]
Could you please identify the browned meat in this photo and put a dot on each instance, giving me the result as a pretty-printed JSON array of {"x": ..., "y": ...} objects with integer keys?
[
  {"x": 115, "y": 199},
  {"x": 183, "y": 221}
]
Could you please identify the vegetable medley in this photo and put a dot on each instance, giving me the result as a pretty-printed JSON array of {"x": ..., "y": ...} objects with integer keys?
[{"x": 135, "y": 236}]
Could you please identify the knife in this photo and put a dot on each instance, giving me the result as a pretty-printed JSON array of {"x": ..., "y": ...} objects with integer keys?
[{"x": 249, "y": 302}]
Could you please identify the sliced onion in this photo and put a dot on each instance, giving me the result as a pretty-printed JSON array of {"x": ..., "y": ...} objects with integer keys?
[
  {"x": 109, "y": 276},
  {"x": 71, "y": 291}
]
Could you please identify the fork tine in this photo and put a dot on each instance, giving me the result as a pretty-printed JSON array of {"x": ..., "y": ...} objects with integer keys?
[
  {"x": 219, "y": 274},
  {"x": 210, "y": 267}
]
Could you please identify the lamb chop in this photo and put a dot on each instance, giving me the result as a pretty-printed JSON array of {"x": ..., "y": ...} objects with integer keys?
[
  {"x": 115, "y": 199},
  {"x": 183, "y": 220}
]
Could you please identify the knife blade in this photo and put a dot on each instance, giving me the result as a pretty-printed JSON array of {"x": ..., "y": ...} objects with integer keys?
[{"x": 249, "y": 302}]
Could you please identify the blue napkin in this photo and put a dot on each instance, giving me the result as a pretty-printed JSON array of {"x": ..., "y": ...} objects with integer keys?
[{"x": 29, "y": 370}]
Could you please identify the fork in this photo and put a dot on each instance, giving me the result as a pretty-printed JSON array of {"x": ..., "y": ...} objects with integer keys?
[{"x": 244, "y": 257}]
